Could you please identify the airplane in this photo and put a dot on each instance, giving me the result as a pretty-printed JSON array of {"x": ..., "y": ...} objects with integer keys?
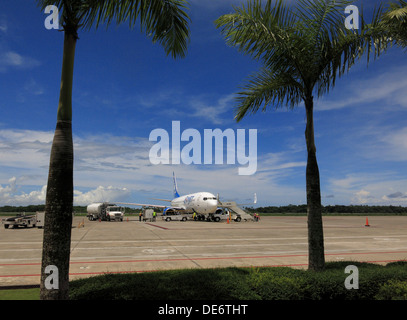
[{"x": 202, "y": 203}]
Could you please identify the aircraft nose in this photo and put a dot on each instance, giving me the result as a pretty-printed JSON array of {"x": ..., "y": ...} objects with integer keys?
[{"x": 213, "y": 204}]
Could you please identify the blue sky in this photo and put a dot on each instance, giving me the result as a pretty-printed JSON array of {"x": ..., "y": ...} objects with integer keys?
[{"x": 125, "y": 87}]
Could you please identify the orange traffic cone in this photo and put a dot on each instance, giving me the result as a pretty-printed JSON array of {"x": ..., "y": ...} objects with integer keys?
[{"x": 367, "y": 223}]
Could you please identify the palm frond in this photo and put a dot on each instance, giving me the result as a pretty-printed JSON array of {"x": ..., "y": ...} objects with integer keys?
[
  {"x": 166, "y": 21},
  {"x": 397, "y": 11},
  {"x": 320, "y": 17},
  {"x": 255, "y": 30},
  {"x": 395, "y": 22},
  {"x": 308, "y": 45},
  {"x": 267, "y": 88}
]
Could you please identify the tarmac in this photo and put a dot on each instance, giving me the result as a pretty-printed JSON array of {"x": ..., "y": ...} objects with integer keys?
[{"x": 133, "y": 246}]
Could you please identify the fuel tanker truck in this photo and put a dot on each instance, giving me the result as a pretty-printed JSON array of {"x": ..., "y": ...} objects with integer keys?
[{"x": 105, "y": 211}]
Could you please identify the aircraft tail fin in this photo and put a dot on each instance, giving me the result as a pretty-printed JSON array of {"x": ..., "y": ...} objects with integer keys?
[{"x": 176, "y": 194}]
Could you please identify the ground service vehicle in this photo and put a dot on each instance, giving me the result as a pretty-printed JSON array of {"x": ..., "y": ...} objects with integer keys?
[
  {"x": 104, "y": 211},
  {"x": 148, "y": 214},
  {"x": 223, "y": 215},
  {"x": 23, "y": 220},
  {"x": 20, "y": 220},
  {"x": 41, "y": 219},
  {"x": 175, "y": 216}
]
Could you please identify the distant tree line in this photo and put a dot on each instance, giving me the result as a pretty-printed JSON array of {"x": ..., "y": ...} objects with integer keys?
[
  {"x": 331, "y": 209},
  {"x": 21, "y": 209}
]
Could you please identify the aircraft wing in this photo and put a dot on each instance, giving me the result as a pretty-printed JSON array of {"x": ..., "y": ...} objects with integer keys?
[
  {"x": 142, "y": 204},
  {"x": 162, "y": 199},
  {"x": 150, "y": 205}
]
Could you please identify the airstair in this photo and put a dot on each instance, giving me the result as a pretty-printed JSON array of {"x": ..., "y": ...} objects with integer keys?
[{"x": 236, "y": 209}]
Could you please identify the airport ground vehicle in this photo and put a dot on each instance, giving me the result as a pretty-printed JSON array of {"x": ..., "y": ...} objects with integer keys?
[
  {"x": 147, "y": 214},
  {"x": 175, "y": 216},
  {"x": 20, "y": 220},
  {"x": 40, "y": 219},
  {"x": 104, "y": 211},
  {"x": 223, "y": 215}
]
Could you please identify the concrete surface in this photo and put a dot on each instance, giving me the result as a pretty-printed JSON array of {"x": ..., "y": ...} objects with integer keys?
[{"x": 133, "y": 246}]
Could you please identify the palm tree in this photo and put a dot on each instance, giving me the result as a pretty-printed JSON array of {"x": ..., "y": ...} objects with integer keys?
[
  {"x": 303, "y": 50},
  {"x": 395, "y": 22},
  {"x": 166, "y": 22}
]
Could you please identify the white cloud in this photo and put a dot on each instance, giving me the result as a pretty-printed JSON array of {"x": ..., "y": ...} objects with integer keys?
[
  {"x": 388, "y": 88},
  {"x": 3, "y": 23},
  {"x": 386, "y": 188},
  {"x": 3, "y": 26},
  {"x": 361, "y": 197},
  {"x": 211, "y": 111},
  {"x": 34, "y": 197},
  {"x": 110, "y": 168},
  {"x": 10, "y": 195},
  {"x": 202, "y": 107},
  {"x": 11, "y": 59},
  {"x": 100, "y": 194},
  {"x": 33, "y": 87},
  {"x": 394, "y": 144},
  {"x": 379, "y": 142},
  {"x": 7, "y": 190},
  {"x": 118, "y": 168}
]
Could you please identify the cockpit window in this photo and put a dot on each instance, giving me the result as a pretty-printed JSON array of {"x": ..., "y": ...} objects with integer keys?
[{"x": 210, "y": 198}]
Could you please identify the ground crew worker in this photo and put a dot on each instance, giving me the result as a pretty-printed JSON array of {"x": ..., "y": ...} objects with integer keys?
[
  {"x": 154, "y": 215},
  {"x": 139, "y": 216}
]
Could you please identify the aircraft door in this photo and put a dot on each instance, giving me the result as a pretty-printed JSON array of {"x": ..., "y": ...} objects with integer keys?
[{"x": 198, "y": 204}]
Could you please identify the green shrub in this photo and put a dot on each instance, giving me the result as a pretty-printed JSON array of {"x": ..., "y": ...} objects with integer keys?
[
  {"x": 277, "y": 283},
  {"x": 392, "y": 290},
  {"x": 375, "y": 282}
]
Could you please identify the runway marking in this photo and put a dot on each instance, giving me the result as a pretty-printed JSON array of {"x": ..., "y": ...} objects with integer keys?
[
  {"x": 154, "y": 225},
  {"x": 211, "y": 258},
  {"x": 168, "y": 248},
  {"x": 212, "y": 239},
  {"x": 144, "y": 271},
  {"x": 158, "y": 251}
]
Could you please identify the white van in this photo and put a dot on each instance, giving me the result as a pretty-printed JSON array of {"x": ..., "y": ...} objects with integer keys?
[{"x": 175, "y": 216}]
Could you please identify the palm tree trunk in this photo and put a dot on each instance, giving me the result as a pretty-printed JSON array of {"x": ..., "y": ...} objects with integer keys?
[
  {"x": 316, "y": 257},
  {"x": 59, "y": 198}
]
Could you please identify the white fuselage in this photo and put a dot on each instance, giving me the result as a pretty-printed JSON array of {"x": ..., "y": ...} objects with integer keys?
[{"x": 201, "y": 202}]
